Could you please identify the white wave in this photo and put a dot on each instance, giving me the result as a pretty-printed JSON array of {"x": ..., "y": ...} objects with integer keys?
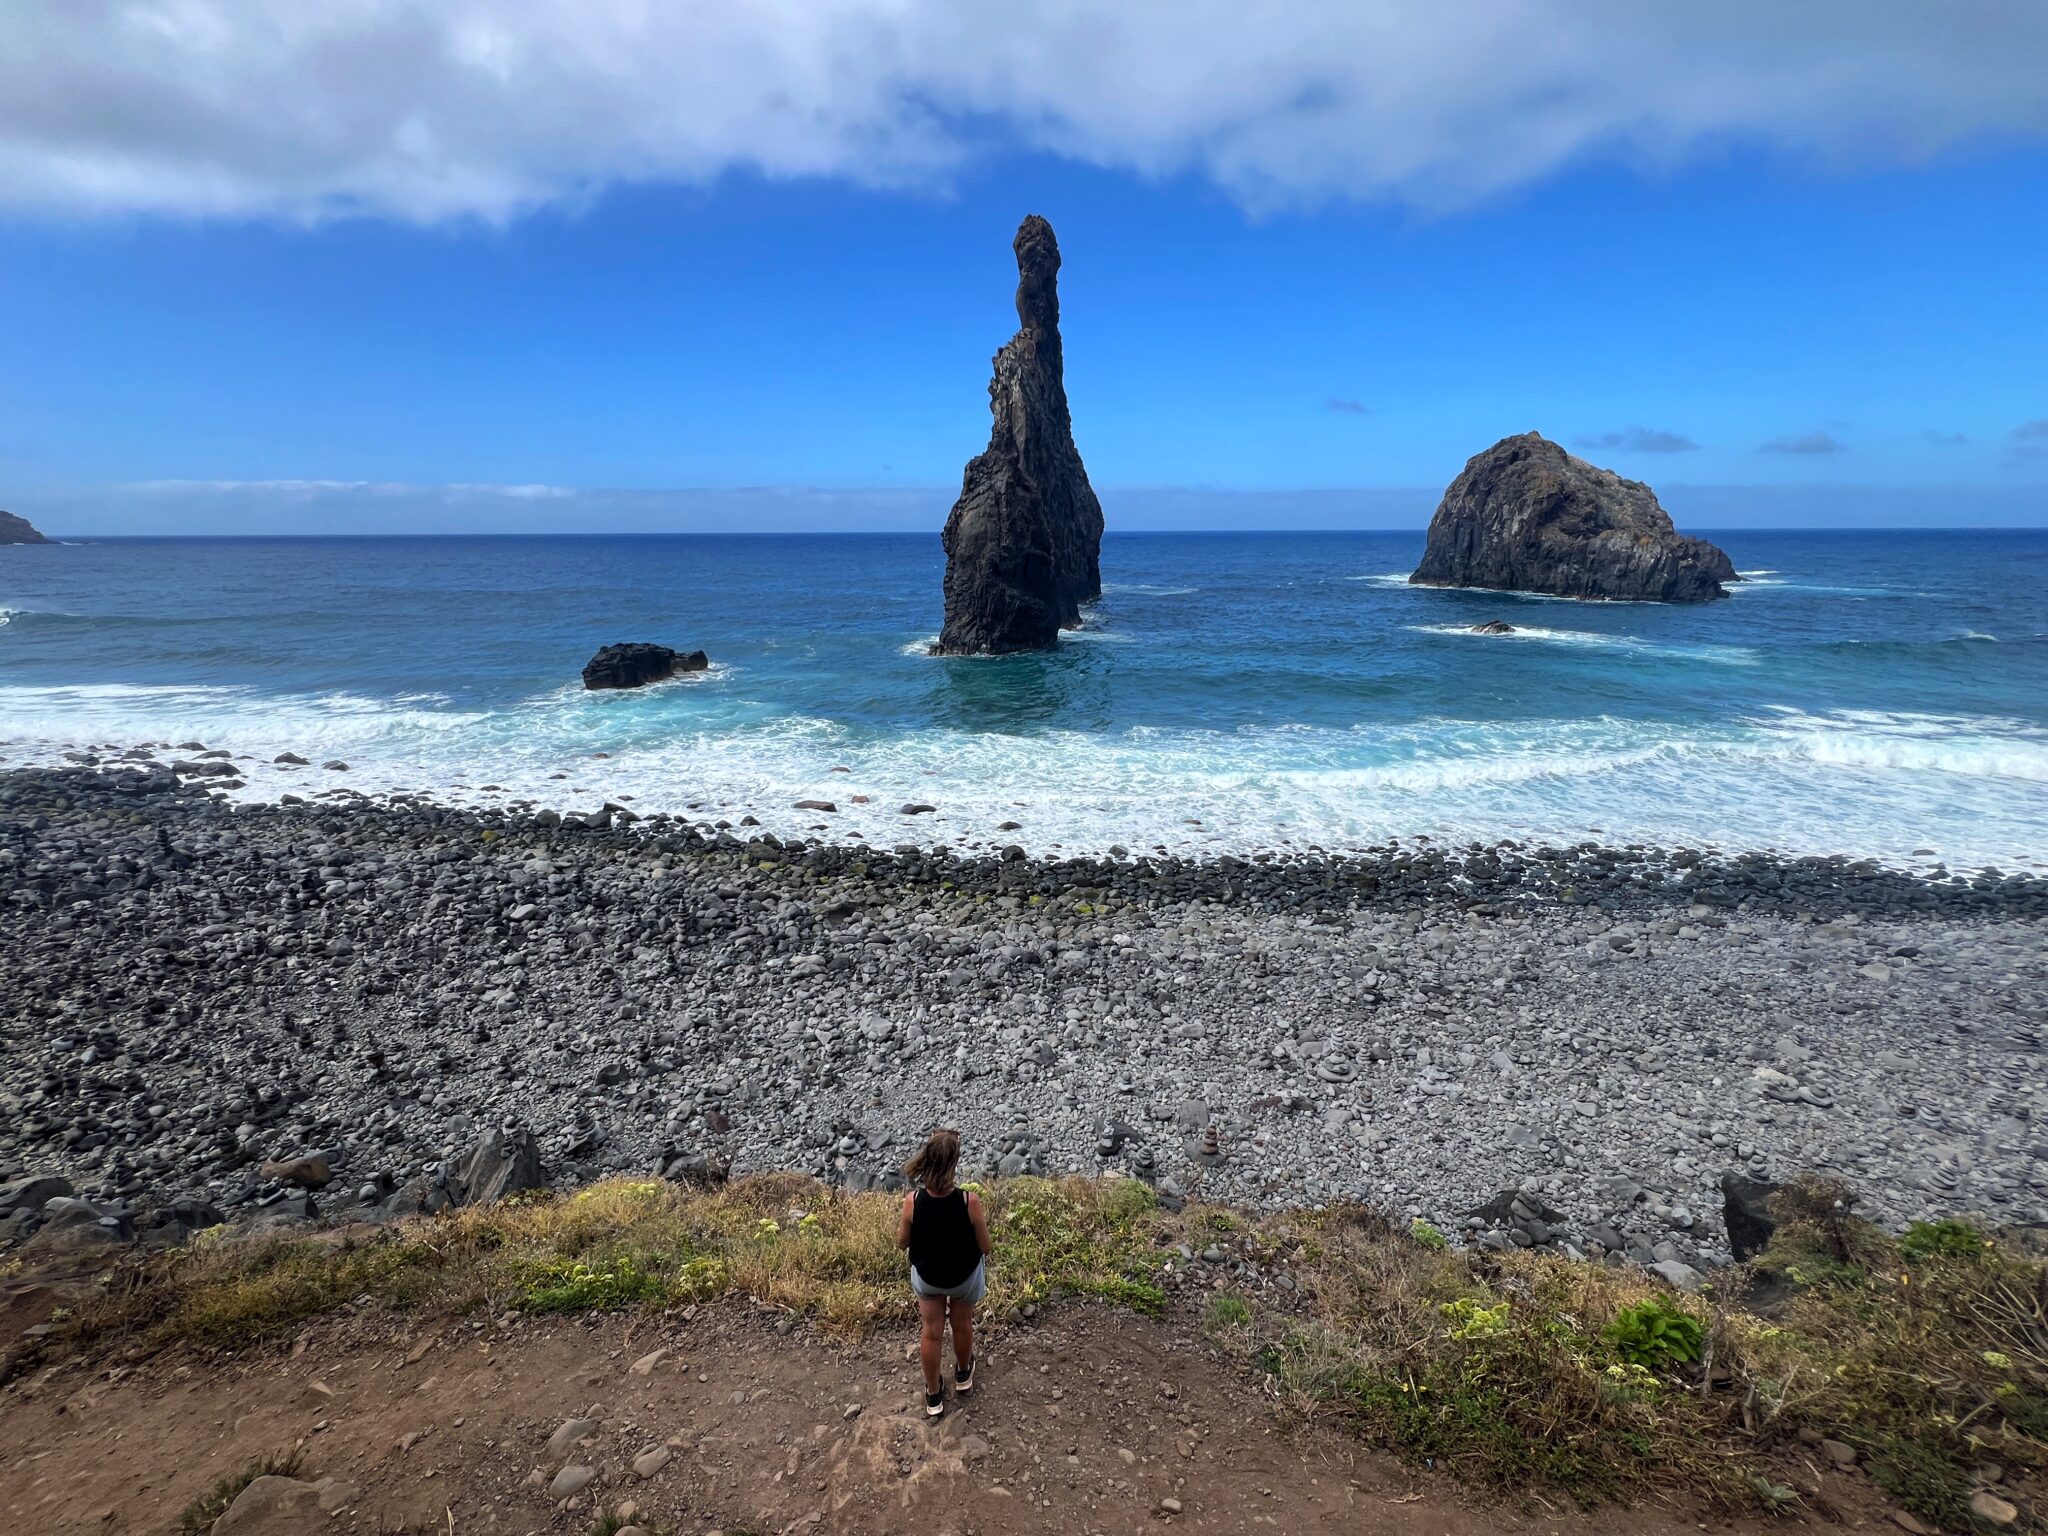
[
  {"x": 1867, "y": 783},
  {"x": 923, "y": 647},
  {"x": 6, "y": 614},
  {"x": 1388, "y": 579},
  {"x": 1779, "y": 584},
  {"x": 1141, "y": 590},
  {"x": 241, "y": 719},
  {"x": 575, "y": 695},
  {"x": 1524, "y": 632},
  {"x": 83, "y": 695},
  {"x": 1975, "y": 634},
  {"x": 1760, "y": 571},
  {"x": 1726, "y": 655},
  {"x": 1885, "y": 741}
]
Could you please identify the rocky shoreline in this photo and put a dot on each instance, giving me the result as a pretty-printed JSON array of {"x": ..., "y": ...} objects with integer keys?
[{"x": 279, "y": 1013}]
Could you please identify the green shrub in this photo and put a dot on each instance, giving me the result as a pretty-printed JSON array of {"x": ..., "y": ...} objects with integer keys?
[
  {"x": 1943, "y": 1240},
  {"x": 1655, "y": 1335},
  {"x": 1467, "y": 1320},
  {"x": 1428, "y": 1236},
  {"x": 574, "y": 1286}
]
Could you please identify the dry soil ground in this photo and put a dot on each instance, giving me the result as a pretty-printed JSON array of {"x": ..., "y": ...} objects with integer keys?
[{"x": 1089, "y": 1420}]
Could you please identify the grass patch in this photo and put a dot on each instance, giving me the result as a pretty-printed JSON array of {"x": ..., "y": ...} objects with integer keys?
[
  {"x": 1496, "y": 1368},
  {"x": 198, "y": 1517},
  {"x": 1931, "y": 1358},
  {"x": 780, "y": 1241},
  {"x": 1928, "y": 1354},
  {"x": 1074, "y": 1237},
  {"x": 1227, "y": 1309},
  {"x": 566, "y": 1285}
]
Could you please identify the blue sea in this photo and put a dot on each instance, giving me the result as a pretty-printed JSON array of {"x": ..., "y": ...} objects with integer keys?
[{"x": 1873, "y": 694}]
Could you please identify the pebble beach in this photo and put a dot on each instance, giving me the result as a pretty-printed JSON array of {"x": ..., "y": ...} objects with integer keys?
[{"x": 202, "y": 991}]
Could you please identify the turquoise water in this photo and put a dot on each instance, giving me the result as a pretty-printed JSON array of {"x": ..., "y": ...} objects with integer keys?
[{"x": 1867, "y": 693}]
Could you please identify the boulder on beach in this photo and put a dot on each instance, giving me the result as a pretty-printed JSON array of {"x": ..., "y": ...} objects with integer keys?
[
  {"x": 1024, "y": 541},
  {"x": 18, "y": 530},
  {"x": 311, "y": 1171},
  {"x": 1525, "y": 516},
  {"x": 499, "y": 1163},
  {"x": 503, "y": 1162},
  {"x": 1746, "y": 1213},
  {"x": 273, "y": 1505},
  {"x": 634, "y": 665},
  {"x": 32, "y": 1192}
]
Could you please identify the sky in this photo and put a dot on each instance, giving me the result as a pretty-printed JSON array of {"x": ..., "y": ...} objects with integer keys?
[{"x": 479, "y": 265}]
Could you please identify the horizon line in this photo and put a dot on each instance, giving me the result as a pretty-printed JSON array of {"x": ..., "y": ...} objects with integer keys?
[{"x": 74, "y": 538}]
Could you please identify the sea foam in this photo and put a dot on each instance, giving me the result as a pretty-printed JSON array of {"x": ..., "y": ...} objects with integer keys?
[{"x": 1726, "y": 655}]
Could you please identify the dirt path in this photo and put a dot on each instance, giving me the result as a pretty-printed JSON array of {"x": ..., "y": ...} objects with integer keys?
[{"x": 1089, "y": 1421}]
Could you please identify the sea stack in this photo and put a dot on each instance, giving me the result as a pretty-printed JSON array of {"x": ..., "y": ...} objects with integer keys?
[
  {"x": 1024, "y": 541},
  {"x": 1525, "y": 516},
  {"x": 16, "y": 530}
]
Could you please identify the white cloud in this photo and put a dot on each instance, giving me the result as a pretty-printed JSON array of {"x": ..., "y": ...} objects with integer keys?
[
  {"x": 1640, "y": 439},
  {"x": 432, "y": 109},
  {"x": 1817, "y": 441}
]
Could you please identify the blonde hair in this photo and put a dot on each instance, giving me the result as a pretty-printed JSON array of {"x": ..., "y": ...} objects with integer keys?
[{"x": 935, "y": 1161}]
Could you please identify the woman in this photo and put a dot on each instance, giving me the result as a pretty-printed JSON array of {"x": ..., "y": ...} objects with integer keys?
[{"x": 945, "y": 1231}]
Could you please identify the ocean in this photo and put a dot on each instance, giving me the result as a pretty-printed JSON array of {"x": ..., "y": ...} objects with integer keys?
[{"x": 1882, "y": 695}]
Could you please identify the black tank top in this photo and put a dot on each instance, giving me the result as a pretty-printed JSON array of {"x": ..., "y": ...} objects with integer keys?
[{"x": 943, "y": 1246}]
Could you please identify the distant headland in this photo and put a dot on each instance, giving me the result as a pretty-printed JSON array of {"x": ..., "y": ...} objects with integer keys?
[{"x": 18, "y": 530}]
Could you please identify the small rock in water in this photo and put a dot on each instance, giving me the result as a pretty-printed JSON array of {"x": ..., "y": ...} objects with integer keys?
[{"x": 635, "y": 664}]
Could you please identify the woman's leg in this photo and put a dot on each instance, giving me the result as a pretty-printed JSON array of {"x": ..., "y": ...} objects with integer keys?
[
  {"x": 963, "y": 1331},
  {"x": 931, "y": 1343}
]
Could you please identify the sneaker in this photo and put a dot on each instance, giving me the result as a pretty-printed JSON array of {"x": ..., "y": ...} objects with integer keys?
[
  {"x": 963, "y": 1378},
  {"x": 934, "y": 1404}
]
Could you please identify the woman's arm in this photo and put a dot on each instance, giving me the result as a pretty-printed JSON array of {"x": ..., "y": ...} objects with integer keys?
[
  {"x": 979, "y": 1217},
  {"x": 903, "y": 1226}
]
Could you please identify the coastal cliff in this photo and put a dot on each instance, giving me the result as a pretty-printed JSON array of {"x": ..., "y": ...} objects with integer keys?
[
  {"x": 1023, "y": 542},
  {"x": 18, "y": 530},
  {"x": 1525, "y": 516}
]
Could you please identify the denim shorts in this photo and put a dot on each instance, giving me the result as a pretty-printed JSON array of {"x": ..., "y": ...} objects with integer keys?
[{"x": 970, "y": 1290}]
